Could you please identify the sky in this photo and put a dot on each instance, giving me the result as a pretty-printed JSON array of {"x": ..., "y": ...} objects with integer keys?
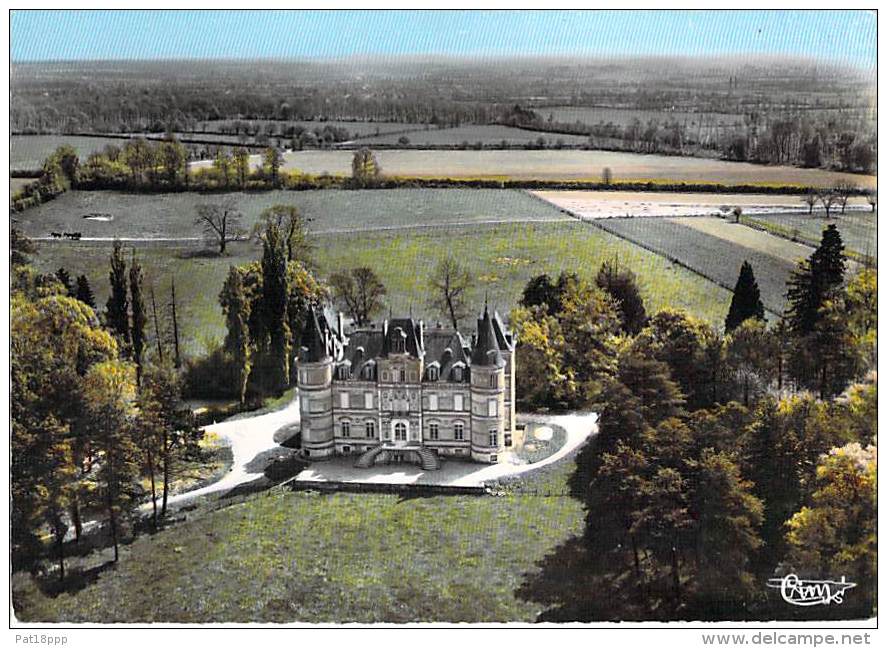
[{"x": 847, "y": 37}]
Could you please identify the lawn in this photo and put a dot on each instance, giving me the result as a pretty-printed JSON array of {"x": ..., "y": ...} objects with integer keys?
[
  {"x": 717, "y": 257},
  {"x": 285, "y": 556},
  {"x": 859, "y": 229},
  {"x": 172, "y": 215},
  {"x": 502, "y": 257}
]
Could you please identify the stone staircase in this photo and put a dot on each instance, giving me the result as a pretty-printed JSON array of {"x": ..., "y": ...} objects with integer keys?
[
  {"x": 429, "y": 458},
  {"x": 368, "y": 458}
]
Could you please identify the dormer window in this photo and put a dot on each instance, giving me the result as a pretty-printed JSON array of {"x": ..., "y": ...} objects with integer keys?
[
  {"x": 367, "y": 371},
  {"x": 433, "y": 373},
  {"x": 343, "y": 372},
  {"x": 399, "y": 342},
  {"x": 457, "y": 373}
]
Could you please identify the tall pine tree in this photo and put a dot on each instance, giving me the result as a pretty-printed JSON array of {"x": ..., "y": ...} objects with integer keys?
[
  {"x": 813, "y": 281},
  {"x": 274, "y": 308},
  {"x": 117, "y": 306},
  {"x": 139, "y": 315},
  {"x": 746, "y": 302},
  {"x": 84, "y": 292},
  {"x": 236, "y": 306}
]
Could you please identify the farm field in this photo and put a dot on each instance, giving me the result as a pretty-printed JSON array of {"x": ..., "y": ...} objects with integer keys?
[
  {"x": 29, "y": 151},
  {"x": 606, "y": 204},
  {"x": 716, "y": 257},
  {"x": 355, "y": 128},
  {"x": 502, "y": 257},
  {"x": 171, "y": 216},
  {"x": 320, "y": 558},
  {"x": 565, "y": 165},
  {"x": 859, "y": 228},
  {"x": 747, "y": 237},
  {"x": 624, "y": 116},
  {"x": 492, "y": 134}
]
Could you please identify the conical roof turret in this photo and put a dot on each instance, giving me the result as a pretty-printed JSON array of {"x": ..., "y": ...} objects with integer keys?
[
  {"x": 313, "y": 347},
  {"x": 486, "y": 351}
]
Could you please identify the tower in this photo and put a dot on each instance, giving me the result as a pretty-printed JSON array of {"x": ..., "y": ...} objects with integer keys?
[
  {"x": 487, "y": 393},
  {"x": 315, "y": 366}
]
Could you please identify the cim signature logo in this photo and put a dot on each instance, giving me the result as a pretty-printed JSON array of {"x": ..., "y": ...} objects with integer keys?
[{"x": 805, "y": 593}]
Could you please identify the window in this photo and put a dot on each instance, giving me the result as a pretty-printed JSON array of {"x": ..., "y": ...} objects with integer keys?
[
  {"x": 385, "y": 376},
  {"x": 344, "y": 400},
  {"x": 400, "y": 431},
  {"x": 432, "y": 402},
  {"x": 433, "y": 373},
  {"x": 459, "y": 430},
  {"x": 434, "y": 431},
  {"x": 494, "y": 438},
  {"x": 368, "y": 371},
  {"x": 457, "y": 402},
  {"x": 403, "y": 375},
  {"x": 457, "y": 374},
  {"x": 494, "y": 380},
  {"x": 507, "y": 440},
  {"x": 343, "y": 372},
  {"x": 346, "y": 449},
  {"x": 368, "y": 400},
  {"x": 346, "y": 429},
  {"x": 493, "y": 407},
  {"x": 370, "y": 430}
]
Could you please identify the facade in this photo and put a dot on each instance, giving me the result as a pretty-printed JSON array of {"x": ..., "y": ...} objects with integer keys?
[{"x": 404, "y": 392}]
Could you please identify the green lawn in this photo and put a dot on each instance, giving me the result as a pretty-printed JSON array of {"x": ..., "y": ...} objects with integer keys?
[
  {"x": 283, "y": 557},
  {"x": 501, "y": 257}
]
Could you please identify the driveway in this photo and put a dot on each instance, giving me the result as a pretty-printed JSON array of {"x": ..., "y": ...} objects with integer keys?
[{"x": 247, "y": 437}]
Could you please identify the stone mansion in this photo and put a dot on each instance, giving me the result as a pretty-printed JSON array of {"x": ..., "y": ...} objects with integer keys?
[{"x": 404, "y": 392}]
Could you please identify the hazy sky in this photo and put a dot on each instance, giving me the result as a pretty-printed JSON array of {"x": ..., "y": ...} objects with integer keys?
[{"x": 848, "y": 37}]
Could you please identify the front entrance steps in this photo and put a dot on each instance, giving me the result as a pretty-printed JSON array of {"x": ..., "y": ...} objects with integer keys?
[{"x": 424, "y": 457}]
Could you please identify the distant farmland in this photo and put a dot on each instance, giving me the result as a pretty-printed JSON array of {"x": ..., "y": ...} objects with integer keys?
[
  {"x": 716, "y": 249},
  {"x": 567, "y": 165},
  {"x": 492, "y": 134},
  {"x": 859, "y": 229},
  {"x": 27, "y": 152}
]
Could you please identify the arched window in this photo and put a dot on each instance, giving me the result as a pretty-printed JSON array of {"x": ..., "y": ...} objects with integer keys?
[
  {"x": 433, "y": 373},
  {"x": 367, "y": 371},
  {"x": 400, "y": 431}
]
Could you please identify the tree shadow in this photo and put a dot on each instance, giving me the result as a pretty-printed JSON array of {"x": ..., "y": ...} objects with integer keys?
[{"x": 76, "y": 579}]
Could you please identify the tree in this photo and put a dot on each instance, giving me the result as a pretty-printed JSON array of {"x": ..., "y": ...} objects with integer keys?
[
  {"x": 272, "y": 160},
  {"x": 746, "y": 301},
  {"x": 158, "y": 336},
  {"x": 173, "y": 157},
  {"x": 810, "y": 199},
  {"x": 222, "y": 164},
  {"x": 65, "y": 279},
  {"x": 837, "y": 533},
  {"x": 748, "y": 356},
  {"x": 236, "y": 307},
  {"x": 241, "y": 165},
  {"x": 813, "y": 281},
  {"x": 139, "y": 315},
  {"x": 110, "y": 392},
  {"x": 607, "y": 176},
  {"x": 220, "y": 222},
  {"x": 359, "y": 292},
  {"x": 273, "y": 308},
  {"x": 84, "y": 292},
  {"x": 117, "y": 306},
  {"x": 621, "y": 285},
  {"x": 843, "y": 191},
  {"x": 293, "y": 228},
  {"x": 69, "y": 163},
  {"x": 365, "y": 169},
  {"x": 448, "y": 290},
  {"x": 541, "y": 291},
  {"x": 20, "y": 246},
  {"x": 828, "y": 198},
  {"x": 174, "y": 318}
]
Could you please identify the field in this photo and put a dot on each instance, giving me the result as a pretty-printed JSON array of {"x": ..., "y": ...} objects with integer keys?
[
  {"x": 624, "y": 116},
  {"x": 606, "y": 204},
  {"x": 716, "y": 249},
  {"x": 282, "y": 557},
  {"x": 29, "y": 151},
  {"x": 400, "y": 233},
  {"x": 566, "y": 165},
  {"x": 489, "y": 135},
  {"x": 859, "y": 229},
  {"x": 354, "y": 128}
]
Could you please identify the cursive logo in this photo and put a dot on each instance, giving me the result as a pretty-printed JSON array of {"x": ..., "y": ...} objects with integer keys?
[{"x": 810, "y": 592}]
